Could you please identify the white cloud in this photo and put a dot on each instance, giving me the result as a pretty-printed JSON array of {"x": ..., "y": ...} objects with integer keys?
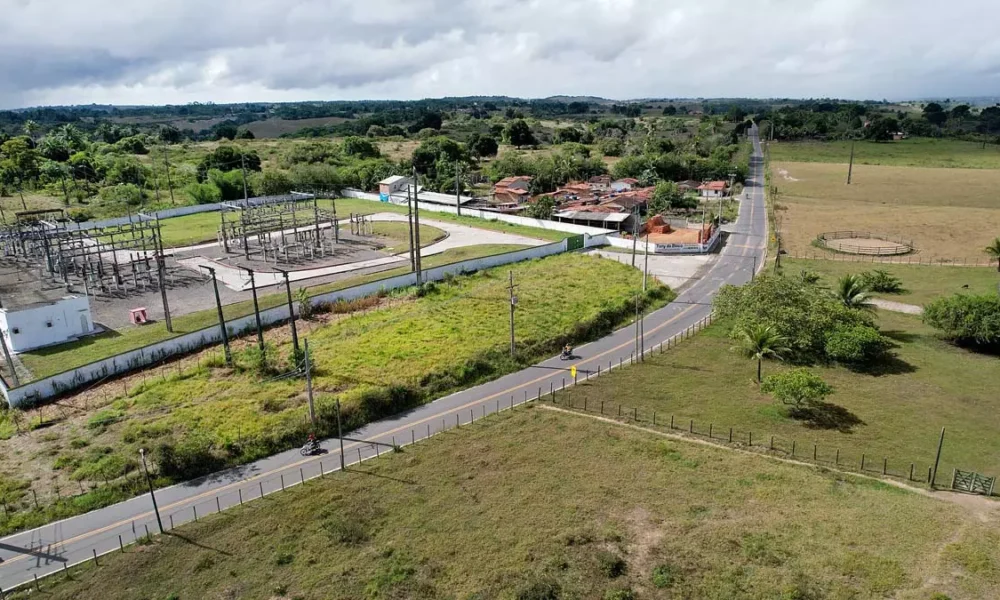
[{"x": 60, "y": 52}]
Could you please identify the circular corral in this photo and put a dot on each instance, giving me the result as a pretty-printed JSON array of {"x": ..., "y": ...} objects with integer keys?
[{"x": 865, "y": 243}]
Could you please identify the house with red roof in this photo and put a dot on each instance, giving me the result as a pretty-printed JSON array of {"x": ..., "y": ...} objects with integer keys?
[{"x": 713, "y": 189}]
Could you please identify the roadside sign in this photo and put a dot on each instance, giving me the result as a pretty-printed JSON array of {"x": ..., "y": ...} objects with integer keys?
[{"x": 572, "y": 371}]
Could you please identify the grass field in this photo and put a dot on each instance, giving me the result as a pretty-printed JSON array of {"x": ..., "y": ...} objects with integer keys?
[
  {"x": 538, "y": 505},
  {"x": 897, "y": 413},
  {"x": 913, "y": 152},
  {"x": 947, "y": 213},
  {"x": 388, "y": 355},
  {"x": 56, "y": 359},
  {"x": 921, "y": 283}
]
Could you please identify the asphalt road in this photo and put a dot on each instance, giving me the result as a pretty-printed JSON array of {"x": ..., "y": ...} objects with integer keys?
[{"x": 51, "y": 547}]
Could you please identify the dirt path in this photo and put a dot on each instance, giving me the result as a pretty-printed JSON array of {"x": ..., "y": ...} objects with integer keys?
[{"x": 900, "y": 307}]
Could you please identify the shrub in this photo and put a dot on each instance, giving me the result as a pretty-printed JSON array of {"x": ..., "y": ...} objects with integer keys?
[
  {"x": 540, "y": 590},
  {"x": 187, "y": 459},
  {"x": 611, "y": 564},
  {"x": 856, "y": 344},
  {"x": 305, "y": 303},
  {"x": 343, "y": 531},
  {"x": 798, "y": 387},
  {"x": 665, "y": 576},
  {"x": 253, "y": 360},
  {"x": 967, "y": 320},
  {"x": 881, "y": 281},
  {"x": 103, "y": 418},
  {"x": 622, "y": 594}
]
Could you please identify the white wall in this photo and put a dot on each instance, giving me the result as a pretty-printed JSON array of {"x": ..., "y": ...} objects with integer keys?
[
  {"x": 36, "y": 391},
  {"x": 488, "y": 215},
  {"x": 46, "y": 324}
]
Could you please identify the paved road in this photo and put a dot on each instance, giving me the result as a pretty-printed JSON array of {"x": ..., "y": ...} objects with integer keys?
[{"x": 49, "y": 548}]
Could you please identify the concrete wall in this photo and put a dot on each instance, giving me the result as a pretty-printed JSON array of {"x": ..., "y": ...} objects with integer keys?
[
  {"x": 39, "y": 390},
  {"x": 485, "y": 214},
  {"x": 45, "y": 324}
]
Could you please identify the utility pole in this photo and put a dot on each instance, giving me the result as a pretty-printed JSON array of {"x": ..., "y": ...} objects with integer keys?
[
  {"x": 458, "y": 189},
  {"x": 850, "y": 167},
  {"x": 645, "y": 267},
  {"x": 637, "y": 325},
  {"x": 635, "y": 232},
  {"x": 170, "y": 186},
  {"x": 309, "y": 386},
  {"x": 409, "y": 220},
  {"x": 222, "y": 318},
  {"x": 513, "y": 303},
  {"x": 340, "y": 435},
  {"x": 152, "y": 496},
  {"x": 416, "y": 226},
  {"x": 6, "y": 356},
  {"x": 291, "y": 311},
  {"x": 937, "y": 459},
  {"x": 243, "y": 167},
  {"x": 256, "y": 311},
  {"x": 160, "y": 267}
]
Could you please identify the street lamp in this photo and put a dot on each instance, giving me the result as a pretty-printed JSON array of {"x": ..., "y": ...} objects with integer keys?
[{"x": 152, "y": 496}]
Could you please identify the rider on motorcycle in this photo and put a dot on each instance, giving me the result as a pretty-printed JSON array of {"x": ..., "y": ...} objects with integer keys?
[{"x": 567, "y": 350}]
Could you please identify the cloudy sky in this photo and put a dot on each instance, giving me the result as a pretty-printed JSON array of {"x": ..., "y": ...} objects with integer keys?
[{"x": 178, "y": 51}]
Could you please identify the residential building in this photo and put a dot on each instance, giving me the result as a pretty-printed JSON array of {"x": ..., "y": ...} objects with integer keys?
[
  {"x": 624, "y": 185},
  {"x": 712, "y": 189},
  {"x": 600, "y": 183},
  {"x": 512, "y": 190}
]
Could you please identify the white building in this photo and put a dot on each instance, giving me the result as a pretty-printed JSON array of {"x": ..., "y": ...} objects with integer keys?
[
  {"x": 713, "y": 189},
  {"x": 391, "y": 185},
  {"x": 45, "y": 323}
]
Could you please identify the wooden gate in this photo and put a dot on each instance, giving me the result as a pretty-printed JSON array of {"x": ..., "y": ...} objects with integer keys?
[{"x": 974, "y": 483}]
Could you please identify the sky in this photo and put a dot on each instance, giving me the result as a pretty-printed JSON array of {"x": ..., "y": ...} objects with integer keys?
[{"x": 179, "y": 51}]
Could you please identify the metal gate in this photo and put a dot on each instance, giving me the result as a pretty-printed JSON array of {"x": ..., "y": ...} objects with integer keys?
[
  {"x": 574, "y": 242},
  {"x": 974, "y": 483}
]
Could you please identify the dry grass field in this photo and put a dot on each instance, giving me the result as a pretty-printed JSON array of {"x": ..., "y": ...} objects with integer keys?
[{"x": 947, "y": 213}]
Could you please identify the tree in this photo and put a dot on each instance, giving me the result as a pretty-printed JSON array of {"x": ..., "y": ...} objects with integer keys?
[
  {"x": 993, "y": 250},
  {"x": 665, "y": 196},
  {"x": 856, "y": 344},
  {"x": 542, "y": 208},
  {"x": 669, "y": 110},
  {"x": 169, "y": 134},
  {"x": 245, "y": 134},
  {"x": 881, "y": 129},
  {"x": 968, "y": 320},
  {"x": 272, "y": 183},
  {"x": 483, "y": 145},
  {"x": 759, "y": 342},
  {"x": 799, "y": 388},
  {"x": 359, "y": 147},
  {"x": 30, "y": 129},
  {"x": 203, "y": 193},
  {"x": 935, "y": 114},
  {"x": 961, "y": 111},
  {"x": 519, "y": 134},
  {"x": 225, "y": 130},
  {"x": 852, "y": 293},
  {"x": 228, "y": 158}
]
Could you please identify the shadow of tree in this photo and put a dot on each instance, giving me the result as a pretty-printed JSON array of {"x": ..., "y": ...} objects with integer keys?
[
  {"x": 889, "y": 365},
  {"x": 903, "y": 337},
  {"x": 824, "y": 415}
]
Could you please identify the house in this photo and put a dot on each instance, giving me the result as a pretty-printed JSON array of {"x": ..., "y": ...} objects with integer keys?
[
  {"x": 392, "y": 185},
  {"x": 45, "y": 323},
  {"x": 596, "y": 217},
  {"x": 712, "y": 189},
  {"x": 688, "y": 185},
  {"x": 512, "y": 190},
  {"x": 600, "y": 183},
  {"x": 623, "y": 185}
]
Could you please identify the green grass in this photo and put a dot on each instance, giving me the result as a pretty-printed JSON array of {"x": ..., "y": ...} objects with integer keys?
[
  {"x": 913, "y": 152},
  {"x": 203, "y": 227},
  {"x": 64, "y": 357},
  {"x": 899, "y": 413},
  {"x": 921, "y": 283},
  {"x": 533, "y": 500}
]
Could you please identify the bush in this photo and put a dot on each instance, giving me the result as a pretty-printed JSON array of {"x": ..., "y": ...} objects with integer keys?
[
  {"x": 968, "y": 320},
  {"x": 856, "y": 344},
  {"x": 348, "y": 532},
  {"x": 881, "y": 281},
  {"x": 540, "y": 590},
  {"x": 187, "y": 459},
  {"x": 622, "y": 594},
  {"x": 611, "y": 564},
  {"x": 665, "y": 576},
  {"x": 798, "y": 387}
]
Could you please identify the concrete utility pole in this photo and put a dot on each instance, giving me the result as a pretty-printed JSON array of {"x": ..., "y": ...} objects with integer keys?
[
  {"x": 409, "y": 220},
  {"x": 937, "y": 459},
  {"x": 170, "y": 186},
  {"x": 513, "y": 303},
  {"x": 243, "y": 168},
  {"x": 291, "y": 310},
  {"x": 222, "y": 318},
  {"x": 637, "y": 325},
  {"x": 416, "y": 226},
  {"x": 256, "y": 311},
  {"x": 160, "y": 267},
  {"x": 340, "y": 435},
  {"x": 6, "y": 356},
  {"x": 645, "y": 267},
  {"x": 850, "y": 166},
  {"x": 309, "y": 386},
  {"x": 152, "y": 496},
  {"x": 458, "y": 189},
  {"x": 635, "y": 232}
]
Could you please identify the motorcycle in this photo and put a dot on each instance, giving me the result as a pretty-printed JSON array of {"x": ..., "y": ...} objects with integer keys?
[
  {"x": 566, "y": 354},
  {"x": 311, "y": 447}
]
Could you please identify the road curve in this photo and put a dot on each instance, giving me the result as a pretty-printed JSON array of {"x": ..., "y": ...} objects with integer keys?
[{"x": 49, "y": 548}]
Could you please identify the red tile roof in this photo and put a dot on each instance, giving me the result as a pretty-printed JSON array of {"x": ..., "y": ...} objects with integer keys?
[
  {"x": 717, "y": 186},
  {"x": 506, "y": 181}
]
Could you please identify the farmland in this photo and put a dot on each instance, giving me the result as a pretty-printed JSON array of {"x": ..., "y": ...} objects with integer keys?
[
  {"x": 378, "y": 357},
  {"x": 535, "y": 504},
  {"x": 914, "y": 152}
]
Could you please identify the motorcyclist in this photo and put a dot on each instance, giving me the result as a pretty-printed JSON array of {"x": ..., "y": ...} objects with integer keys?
[{"x": 567, "y": 350}]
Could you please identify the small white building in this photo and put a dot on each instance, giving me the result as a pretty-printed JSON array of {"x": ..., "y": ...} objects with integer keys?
[
  {"x": 391, "y": 185},
  {"x": 624, "y": 185},
  {"x": 45, "y": 323},
  {"x": 713, "y": 189}
]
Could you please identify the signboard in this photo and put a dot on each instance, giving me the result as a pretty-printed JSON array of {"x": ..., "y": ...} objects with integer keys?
[{"x": 572, "y": 371}]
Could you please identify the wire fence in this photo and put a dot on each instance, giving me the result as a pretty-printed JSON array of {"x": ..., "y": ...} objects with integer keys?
[{"x": 978, "y": 261}]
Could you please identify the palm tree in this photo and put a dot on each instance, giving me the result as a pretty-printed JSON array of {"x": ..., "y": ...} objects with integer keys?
[
  {"x": 30, "y": 129},
  {"x": 758, "y": 342},
  {"x": 852, "y": 293},
  {"x": 994, "y": 250}
]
